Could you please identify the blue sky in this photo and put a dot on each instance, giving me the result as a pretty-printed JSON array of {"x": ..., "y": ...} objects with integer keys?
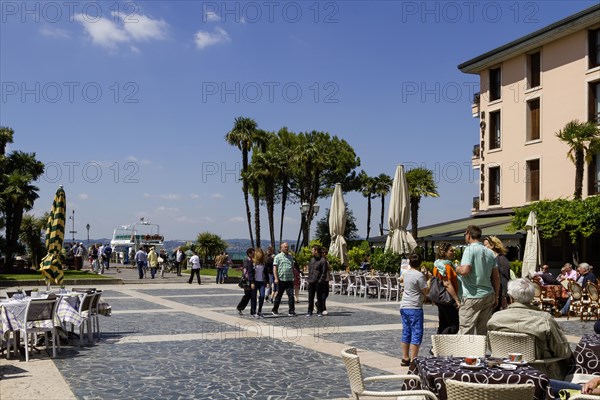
[{"x": 127, "y": 102}]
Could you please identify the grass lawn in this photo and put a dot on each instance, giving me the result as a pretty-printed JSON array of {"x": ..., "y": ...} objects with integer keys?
[
  {"x": 69, "y": 275},
  {"x": 213, "y": 272}
]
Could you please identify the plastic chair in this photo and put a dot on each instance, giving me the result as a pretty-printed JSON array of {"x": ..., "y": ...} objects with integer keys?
[
  {"x": 357, "y": 381},
  {"x": 458, "y": 390},
  {"x": 85, "y": 311},
  {"x": 459, "y": 345},
  {"x": 94, "y": 314},
  {"x": 39, "y": 317},
  {"x": 393, "y": 286}
]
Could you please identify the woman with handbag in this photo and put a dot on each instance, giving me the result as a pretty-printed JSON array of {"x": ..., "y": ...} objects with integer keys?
[
  {"x": 259, "y": 279},
  {"x": 496, "y": 245},
  {"x": 247, "y": 272},
  {"x": 444, "y": 271}
]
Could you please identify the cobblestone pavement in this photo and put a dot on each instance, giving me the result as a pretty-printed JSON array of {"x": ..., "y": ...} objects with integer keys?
[{"x": 179, "y": 341}]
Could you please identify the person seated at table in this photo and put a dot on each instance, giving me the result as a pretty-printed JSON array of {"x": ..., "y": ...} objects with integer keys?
[
  {"x": 548, "y": 278},
  {"x": 592, "y": 386},
  {"x": 567, "y": 272},
  {"x": 585, "y": 276},
  {"x": 522, "y": 317}
]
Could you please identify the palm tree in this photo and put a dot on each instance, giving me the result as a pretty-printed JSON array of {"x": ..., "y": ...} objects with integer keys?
[
  {"x": 242, "y": 136},
  {"x": 383, "y": 184},
  {"x": 366, "y": 189},
  {"x": 209, "y": 245},
  {"x": 17, "y": 195},
  {"x": 583, "y": 139},
  {"x": 6, "y": 136},
  {"x": 284, "y": 147},
  {"x": 31, "y": 236},
  {"x": 420, "y": 183}
]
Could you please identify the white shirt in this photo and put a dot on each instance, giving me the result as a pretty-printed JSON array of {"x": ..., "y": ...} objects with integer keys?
[{"x": 195, "y": 260}]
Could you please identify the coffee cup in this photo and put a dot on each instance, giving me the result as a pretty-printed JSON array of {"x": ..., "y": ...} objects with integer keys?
[
  {"x": 515, "y": 357},
  {"x": 471, "y": 360}
]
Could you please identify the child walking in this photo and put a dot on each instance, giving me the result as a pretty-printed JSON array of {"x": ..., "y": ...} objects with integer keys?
[{"x": 411, "y": 309}]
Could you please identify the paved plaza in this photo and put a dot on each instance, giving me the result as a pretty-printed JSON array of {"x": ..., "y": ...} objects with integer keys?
[{"x": 173, "y": 340}]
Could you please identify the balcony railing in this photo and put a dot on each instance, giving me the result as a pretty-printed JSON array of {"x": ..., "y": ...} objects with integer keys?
[
  {"x": 475, "y": 204},
  {"x": 476, "y": 151}
]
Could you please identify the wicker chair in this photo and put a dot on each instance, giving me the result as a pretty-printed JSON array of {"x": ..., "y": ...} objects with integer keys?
[
  {"x": 504, "y": 343},
  {"x": 357, "y": 381},
  {"x": 458, "y": 390},
  {"x": 592, "y": 308},
  {"x": 459, "y": 345},
  {"x": 577, "y": 301}
]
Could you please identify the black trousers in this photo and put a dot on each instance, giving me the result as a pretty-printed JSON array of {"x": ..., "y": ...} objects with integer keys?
[
  {"x": 321, "y": 290},
  {"x": 178, "y": 268},
  {"x": 245, "y": 300},
  {"x": 448, "y": 319},
  {"x": 197, "y": 273},
  {"x": 288, "y": 288}
]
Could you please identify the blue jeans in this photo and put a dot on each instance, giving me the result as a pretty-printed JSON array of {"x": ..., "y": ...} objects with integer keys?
[
  {"x": 259, "y": 288},
  {"x": 412, "y": 325},
  {"x": 140, "y": 266},
  {"x": 220, "y": 274}
]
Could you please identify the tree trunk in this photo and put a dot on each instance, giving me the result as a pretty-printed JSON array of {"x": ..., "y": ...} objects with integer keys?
[
  {"x": 10, "y": 243},
  {"x": 578, "y": 174},
  {"x": 283, "y": 201},
  {"x": 414, "y": 211},
  {"x": 270, "y": 209},
  {"x": 256, "y": 212},
  {"x": 368, "y": 215},
  {"x": 382, "y": 213},
  {"x": 245, "y": 189}
]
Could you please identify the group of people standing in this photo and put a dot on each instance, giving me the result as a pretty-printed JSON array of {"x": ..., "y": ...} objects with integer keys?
[
  {"x": 278, "y": 273},
  {"x": 477, "y": 287}
]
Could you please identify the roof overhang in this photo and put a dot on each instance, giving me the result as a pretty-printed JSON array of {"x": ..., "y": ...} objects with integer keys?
[{"x": 583, "y": 19}]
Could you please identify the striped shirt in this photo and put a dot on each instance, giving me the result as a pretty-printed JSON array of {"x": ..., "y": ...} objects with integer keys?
[{"x": 284, "y": 263}]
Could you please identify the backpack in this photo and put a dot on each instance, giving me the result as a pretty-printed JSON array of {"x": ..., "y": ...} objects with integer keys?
[
  {"x": 438, "y": 293},
  {"x": 107, "y": 251}
]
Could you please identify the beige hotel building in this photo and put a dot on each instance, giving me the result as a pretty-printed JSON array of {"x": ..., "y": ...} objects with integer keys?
[{"x": 529, "y": 89}]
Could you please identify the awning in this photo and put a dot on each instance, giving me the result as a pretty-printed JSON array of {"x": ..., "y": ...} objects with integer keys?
[{"x": 453, "y": 231}]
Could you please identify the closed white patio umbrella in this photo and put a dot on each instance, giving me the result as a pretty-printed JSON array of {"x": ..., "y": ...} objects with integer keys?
[
  {"x": 399, "y": 240},
  {"x": 532, "y": 256},
  {"x": 337, "y": 226}
]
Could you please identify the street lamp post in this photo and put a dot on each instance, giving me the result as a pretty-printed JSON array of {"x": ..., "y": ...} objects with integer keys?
[
  {"x": 305, "y": 211},
  {"x": 88, "y": 233},
  {"x": 73, "y": 231}
]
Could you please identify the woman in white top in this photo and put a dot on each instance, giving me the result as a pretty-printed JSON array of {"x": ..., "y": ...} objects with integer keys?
[{"x": 258, "y": 281}]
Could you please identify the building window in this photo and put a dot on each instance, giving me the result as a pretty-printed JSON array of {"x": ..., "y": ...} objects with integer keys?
[
  {"x": 495, "y": 130},
  {"x": 533, "y": 180},
  {"x": 594, "y": 51},
  {"x": 533, "y": 119},
  {"x": 594, "y": 175},
  {"x": 594, "y": 102},
  {"x": 495, "y": 83},
  {"x": 494, "y": 186},
  {"x": 534, "y": 70}
]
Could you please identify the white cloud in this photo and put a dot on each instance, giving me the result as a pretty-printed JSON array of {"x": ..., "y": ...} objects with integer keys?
[
  {"x": 212, "y": 16},
  {"x": 204, "y": 39},
  {"x": 131, "y": 158},
  {"x": 147, "y": 195},
  {"x": 237, "y": 219},
  {"x": 83, "y": 196},
  {"x": 144, "y": 28},
  {"x": 167, "y": 209},
  {"x": 169, "y": 196},
  {"x": 207, "y": 219},
  {"x": 216, "y": 196},
  {"x": 194, "y": 196},
  {"x": 110, "y": 33},
  {"x": 54, "y": 32},
  {"x": 290, "y": 220}
]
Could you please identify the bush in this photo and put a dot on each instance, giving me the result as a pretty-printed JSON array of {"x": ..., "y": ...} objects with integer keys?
[
  {"x": 516, "y": 267},
  {"x": 358, "y": 254},
  {"x": 387, "y": 262}
]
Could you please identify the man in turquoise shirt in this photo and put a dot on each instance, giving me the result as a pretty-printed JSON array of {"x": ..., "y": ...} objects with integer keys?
[
  {"x": 480, "y": 282},
  {"x": 284, "y": 279}
]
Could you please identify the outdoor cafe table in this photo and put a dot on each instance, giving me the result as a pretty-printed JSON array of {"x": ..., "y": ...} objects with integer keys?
[
  {"x": 433, "y": 371},
  {"x": 586, "y": 357}
]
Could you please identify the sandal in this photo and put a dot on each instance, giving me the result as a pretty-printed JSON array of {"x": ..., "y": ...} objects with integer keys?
[{"x": 405, "y": 363}]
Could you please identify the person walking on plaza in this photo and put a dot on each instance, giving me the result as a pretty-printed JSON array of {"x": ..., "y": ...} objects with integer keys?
[
  {"x": 284, "y": 279},
  {"x": 179, "y": 258},
  {"x": 79, "y": 254},
  {"x": 496, "y": 245},
  {"x": 480, "y": 283},
  {"x": 107, "y": 252},
  {"x": 259, "y": 279},
  {"x": 220, "y": 264},
  {"x": 444, "y": 270},
  {"x": 95, "y": 255},
  {"x": 317, "y": 281},
  {"x": 411, "y": 310},
  {"x": 131, "y": 252},
  {"x": 140, "y": 259},
  {"x": 271, "y": 288},
  {"x": 153, "y": 261},
  {"x": 196, "y": 265},
  {"x": 248, "y": 273}
]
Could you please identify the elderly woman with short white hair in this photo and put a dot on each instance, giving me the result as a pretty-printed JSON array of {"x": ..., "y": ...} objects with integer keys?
[{"x": 522, "y": 317}]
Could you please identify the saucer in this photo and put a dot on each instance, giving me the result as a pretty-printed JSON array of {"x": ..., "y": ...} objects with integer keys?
[
  {"x": 476, "y": 366},
  {"x": 508, "y": 367},
  {"x": 507, "y": 361}
]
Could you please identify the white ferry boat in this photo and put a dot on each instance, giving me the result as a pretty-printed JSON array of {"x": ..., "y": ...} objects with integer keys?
[{"x": 141, "y": 234}]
